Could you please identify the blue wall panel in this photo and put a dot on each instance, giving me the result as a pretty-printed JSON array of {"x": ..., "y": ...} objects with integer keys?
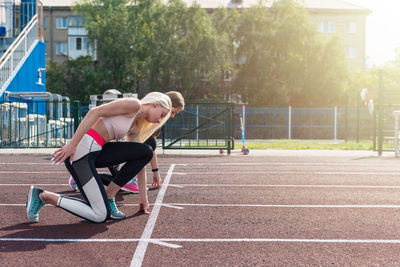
[
  {"x": 27, "y": 77},
  {"x": 26, "y": 80}
]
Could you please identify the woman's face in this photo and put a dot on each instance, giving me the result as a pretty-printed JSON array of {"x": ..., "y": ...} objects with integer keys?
[
  {"x": 175, "y": 111},
  {"x": 156, "y": 113}
]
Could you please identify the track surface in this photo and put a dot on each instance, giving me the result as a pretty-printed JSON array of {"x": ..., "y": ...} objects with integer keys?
[{"x": 216, "y": 211}]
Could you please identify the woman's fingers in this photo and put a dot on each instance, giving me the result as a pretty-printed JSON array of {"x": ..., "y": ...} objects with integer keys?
[
  {"x": 59, "y": 156},
  {"x": 144, "y": 208}
]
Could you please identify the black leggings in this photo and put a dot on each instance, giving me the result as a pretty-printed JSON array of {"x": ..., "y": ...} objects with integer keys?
[
  {"x": 96, "y": 207},
  {"x": 107, "y": 178}
]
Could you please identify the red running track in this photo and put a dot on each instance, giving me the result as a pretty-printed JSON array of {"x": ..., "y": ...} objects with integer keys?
[{"x": 216, "y": 211}]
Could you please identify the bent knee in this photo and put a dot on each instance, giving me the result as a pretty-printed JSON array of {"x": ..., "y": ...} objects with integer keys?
[
  {"x": 100, "y": 216},
  {"x": 148, "y": 153}
]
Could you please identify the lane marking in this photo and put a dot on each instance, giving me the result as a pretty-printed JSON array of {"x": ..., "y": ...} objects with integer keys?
[
  {"x": 172, "y": 206},
  {"x": 287, "y": 185},
  {"x": 240, "y": 164},
  {"x": 389, "y": 206},
  {"x": 29, "y": 172},
  {"x": 295, "y": 240},
  {"x": 48, "y": 185},
  {"x": 286, "y": 163},
  {"x": 227, "y": 172},
  {"x": 178, "y": 205},
  {"x": 141, "y": 248},
  {"x": 34, "y": 184},
  {"x": 49, "y": 163},
  {"x": 166, "y": 241},
  {"x": 295, "y": 172}
]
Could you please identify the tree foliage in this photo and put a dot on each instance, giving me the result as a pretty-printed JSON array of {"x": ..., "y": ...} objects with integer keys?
[
  {"x": 275, "y": 55},
  {"x": 285, "y": 61},
  {"x": 187, "y": 52},
  {"x": 74, "y": 78}
]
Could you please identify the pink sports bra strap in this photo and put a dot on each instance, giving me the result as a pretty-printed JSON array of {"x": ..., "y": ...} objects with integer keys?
[{"x": 96, "y": 136}]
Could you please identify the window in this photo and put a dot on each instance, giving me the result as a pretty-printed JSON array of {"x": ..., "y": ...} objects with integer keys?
[
  {"x": 227, "y": 75},
  {"x": 327, "y": 27},
  {"x": 75, "y": 21},
  {"x": 351, "y": 27},
  {"x": 61, "y": 48},
  {"x": 351, "y": 52},
  {"x": 78, "y": 43},
  {"x": 44, "y": 23},
  {"x": 61, "y": 23}
]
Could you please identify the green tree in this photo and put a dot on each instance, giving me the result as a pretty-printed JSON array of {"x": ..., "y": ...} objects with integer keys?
[
  {"x": 76, "y": 79},
  {"x": 285, "y": 63},
  {"x": 225, "y": 22},
  {"x": 187, "y": 52},
  {"x": 120, "y": 31}
]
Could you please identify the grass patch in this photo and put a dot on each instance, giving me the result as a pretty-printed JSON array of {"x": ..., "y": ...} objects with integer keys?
[{"x": 294, "y": 145}]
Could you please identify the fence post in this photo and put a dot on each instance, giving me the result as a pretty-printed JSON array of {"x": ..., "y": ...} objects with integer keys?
[
  {"x": 335, "y": 117},
  {"x": 77, "y": 114},
  {"x": 396, "y": 132},
  {"x": 358, "y": 118},
  {"x": 244, "y": 121},
  {"x": 197, "y": 123},
  {"x": 290, "y": 122},
  {"x": 380, "y": 114}
]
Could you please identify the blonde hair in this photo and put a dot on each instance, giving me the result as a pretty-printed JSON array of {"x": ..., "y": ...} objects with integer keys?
[
  {"x": 146, "y": 129},
  {"x": 177, "y": 99},
  {"x": 157, "y": 97}
]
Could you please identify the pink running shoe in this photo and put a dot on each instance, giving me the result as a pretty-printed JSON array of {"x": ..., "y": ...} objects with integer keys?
[
  {"x": 131, "y": 186},
  {"x": 71, "y": 183}
]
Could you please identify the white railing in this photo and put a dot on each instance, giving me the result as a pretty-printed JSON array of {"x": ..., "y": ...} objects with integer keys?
[{"x": 12, "y": 58}]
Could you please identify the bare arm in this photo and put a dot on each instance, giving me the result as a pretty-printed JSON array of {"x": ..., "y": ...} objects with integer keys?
[
  {"x": 156, "y": 175},
  {"x": 143, "y": 200},
  {"x": 123, "y": 106}
]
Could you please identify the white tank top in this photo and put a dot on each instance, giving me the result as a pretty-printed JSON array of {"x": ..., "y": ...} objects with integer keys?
[{"x": 118, "y": 126}]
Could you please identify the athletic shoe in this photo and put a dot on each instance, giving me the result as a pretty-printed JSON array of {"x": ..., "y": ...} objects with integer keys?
[
  {"x": 34, "y": 204},
  {"x": 115, "y": 213},
  {"x": 131, "y": 186},
  {"x": 72, "y": 183}
]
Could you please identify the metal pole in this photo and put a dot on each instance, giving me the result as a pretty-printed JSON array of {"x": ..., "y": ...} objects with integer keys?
[
  {"x": 380, "y": 113},
  {"x": 346, "y": 119},
  {"x": 290, "y": 122},
  {"x": 335, "y": 123},
  {"x": 244, "y": 121},
  {"x": 197, "y": 123},
  {"x": 358, "y": 119},
  {"x": 396, "y": 132}
]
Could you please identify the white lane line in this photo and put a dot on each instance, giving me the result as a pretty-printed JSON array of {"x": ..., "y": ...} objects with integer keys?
[
  {"x": 178, "y": 205},
  {"x": 295, "y": 240},
  {"x": 29, "y": 172},
  {"x": 48, "y": 185},
  {"x": 148, "y": 230},
  {"x": 226, "y": 172},
  {"x": 49, "y": 163},
  {"x": 165, "y": 241},
  {"x": 34, "y": 184},
  {"x": 239, "y": 164},
  {"x": 288, "y": 163},
  {"x": 389, "y": 206},
  {"x": 287, "y": 185},
  {"x": 293, "y": 172},
  {"x": 69, "y": 240}
]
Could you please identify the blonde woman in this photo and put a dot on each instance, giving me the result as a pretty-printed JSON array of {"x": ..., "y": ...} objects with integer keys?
[
  {"x": 178, "y": 104},
  {"x": 90, "y": 148}
]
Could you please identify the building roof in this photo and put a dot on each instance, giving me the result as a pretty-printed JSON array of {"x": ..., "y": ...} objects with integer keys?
[
  {"x": 58, "y": 3},
  {"x": 213, "y": 4},
  {"x": 309, "y": 4}
]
